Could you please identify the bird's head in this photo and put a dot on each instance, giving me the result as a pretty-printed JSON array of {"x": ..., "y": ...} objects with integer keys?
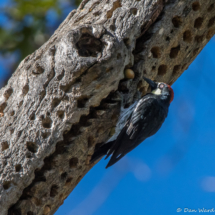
[{"x": 161, "y": 89}]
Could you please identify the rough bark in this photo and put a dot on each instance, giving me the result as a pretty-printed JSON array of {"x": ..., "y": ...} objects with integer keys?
[{"x": 62, "y": 101}]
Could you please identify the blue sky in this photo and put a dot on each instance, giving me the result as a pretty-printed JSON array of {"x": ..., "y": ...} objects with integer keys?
[{"x": 173, "y": 169}]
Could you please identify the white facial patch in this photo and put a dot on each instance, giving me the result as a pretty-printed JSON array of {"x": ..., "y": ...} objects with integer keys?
[{"x": 157, "y": 91}]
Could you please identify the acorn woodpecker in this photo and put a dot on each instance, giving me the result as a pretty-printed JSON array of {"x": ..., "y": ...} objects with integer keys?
[{"x": 138, "y": 122}]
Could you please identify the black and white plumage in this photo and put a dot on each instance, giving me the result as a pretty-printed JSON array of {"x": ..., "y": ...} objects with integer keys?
[{"x": 140, "y": 121}]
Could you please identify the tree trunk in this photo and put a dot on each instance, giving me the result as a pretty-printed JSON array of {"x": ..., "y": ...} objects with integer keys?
[{"x": 62, "y": 101}]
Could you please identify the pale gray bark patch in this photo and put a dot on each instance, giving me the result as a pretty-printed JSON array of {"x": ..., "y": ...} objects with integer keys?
[{"x": 62, "y": 101}]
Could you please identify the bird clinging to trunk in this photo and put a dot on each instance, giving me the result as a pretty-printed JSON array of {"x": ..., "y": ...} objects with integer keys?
[{"x": 140, "y": 121}]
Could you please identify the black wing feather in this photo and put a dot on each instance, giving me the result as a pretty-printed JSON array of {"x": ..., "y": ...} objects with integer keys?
[
  {"x": 116, "y": 144},
  {"x": 140, "y": 125}
]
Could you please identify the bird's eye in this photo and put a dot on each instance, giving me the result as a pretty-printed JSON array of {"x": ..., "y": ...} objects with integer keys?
[{"x": 161, "y": 86}]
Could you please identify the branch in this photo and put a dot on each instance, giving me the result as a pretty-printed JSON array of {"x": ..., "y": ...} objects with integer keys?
[{"x": 62, "y": 101}]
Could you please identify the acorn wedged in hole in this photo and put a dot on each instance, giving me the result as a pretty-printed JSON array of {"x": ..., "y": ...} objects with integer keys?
[{"x": 129, "y": 74}]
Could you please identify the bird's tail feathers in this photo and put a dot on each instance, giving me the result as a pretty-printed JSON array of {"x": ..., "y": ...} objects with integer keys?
[
  {"x": 100, "y": 152},
  {"x": 114, "y": 159}
]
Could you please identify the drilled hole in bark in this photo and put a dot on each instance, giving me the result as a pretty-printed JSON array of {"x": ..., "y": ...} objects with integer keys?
[
  {"x": 8, "y": 93},
  {"x": 198, "y": 22},
  {"x": 52, "y": 50},
  {"x": 90, "y": 141},
  {"x": 153, "y": 68},
  {"x": 174, "y": 52},
  {"x": 127, "y": 42},
  {"x": 30, "y": 213},
  {"x": 59, "y": 77},
  {"x": 133, "y": 11},
  {"x": 156, "y": 52},
  {"x": 66, "y": 87},
  {"x": 81, "y": 102},
  {"x": 187, "y": 36},
  {"x": 89, "y": 46},
  {"x": 39, "y": 175},
  {"x": 211, "y": 22},
  {"x": 199, "y": 39},
  {"x": 12, "y": 112},
  {"x": 3, "y": 106},
  {"x": 61, "y": 148},
  {"x": 161, "y": 15},
  {"x": 116, "y": 4},
  {"x": 25, "y": 89},
  {"x": 177, "y": 21},
  {"x": 112, "y": 27},
  {"x": 63, "y": 176},
  {"x": 167, "y": 38},
  {"x": 176, "y": 69},
  {"x": 49, "y": 162},
  {"x": 162, "y": 69},
  {"x": 18, "y": 167},
  {"x": 6, "y": 185},
  {"x": 32, "y": 147},
  {"x": 119, "y": 56},
  {"x": 78, "y": 80},
  {"x": 140, "y": 42},
  {"x": 55, "y": 102},
  {"x": 126, "y": 105},
  {"x": 196, "y": 6},
  {"x": 45, "y": 134},
  {"x": 4, "y": 145},
  {"x": 60, "y": 114},
  {"x": 73, "y": 162},
  {"x": 14, "y": 211},
  {"x": 54, "y": 191},
  {"x": 210, "y": 33},
  {"x": 211, "y": 7},
  {"x": 195, "y": 51},
  {"x": 38, "y": 69},
  {"x": 68, "y": 181},
  {"x": 75, "y": 130},
  {"x": 47, "y": 122},
  {"x": 123, "y": 87},
  {"x": 20, "y": 103},
  {"x": 29, "y": 155},
  {"x": 32, "y": 116},
  {"x": 84, "y": 121}
]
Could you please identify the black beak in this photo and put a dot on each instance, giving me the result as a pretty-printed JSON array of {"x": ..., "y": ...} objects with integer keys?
[{"x": 151, "y": 83}]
